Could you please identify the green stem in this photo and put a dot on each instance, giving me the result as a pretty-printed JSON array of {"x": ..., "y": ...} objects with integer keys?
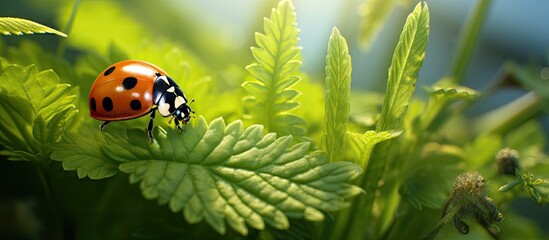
[
  {"x": 358, "y": 223},
  {"x": 63, "y": 43},
  {"x": 468, "y": 38},
  {"x": 449, "y": 215},
  {"x": 57, "y": 231},
  {"x": 509, "y": 116}
]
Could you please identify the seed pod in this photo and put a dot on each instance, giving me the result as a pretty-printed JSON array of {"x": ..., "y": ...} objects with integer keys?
[{"x": 468, "y": 200}]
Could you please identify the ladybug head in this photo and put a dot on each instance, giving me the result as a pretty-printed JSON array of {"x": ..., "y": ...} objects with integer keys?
[{"x": 183, "y": 113}]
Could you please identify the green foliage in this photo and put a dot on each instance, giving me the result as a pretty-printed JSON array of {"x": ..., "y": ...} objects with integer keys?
[
  {"x": 258, "y": 162},
  {"x": 18, "y": 26},
  {"x": 338, "y": 94},
  {"x": 407, "y": 60},
  {"x": 37, "y": 109},
  {"x": 277, "y": 59},
  {"x": 440, "y": 97},
  {"x": 75, "y": 152},
  {"x": 537, "y": 188},
  {"x": 218, "y": 173},
  {"x": 364, "y": 143}
]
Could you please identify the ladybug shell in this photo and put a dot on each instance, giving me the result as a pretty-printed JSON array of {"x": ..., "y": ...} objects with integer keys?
[{"x": 123, "y": 91}]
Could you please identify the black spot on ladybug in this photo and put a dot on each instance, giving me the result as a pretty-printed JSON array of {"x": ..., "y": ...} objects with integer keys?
[
  {"x": 135, "y": 104},
  {"x": 93, "y": 105},
  {"x": 107, "y": 104},
  {"x": 129, "y": 83},
  {"x": 109, "y": 71}
]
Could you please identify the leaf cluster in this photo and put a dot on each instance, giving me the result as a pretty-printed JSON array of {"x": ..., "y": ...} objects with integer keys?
[
  {"x": 214, "y": 173},
  {"x": 271, "y": 149},
  {"x": 39, "y": 107}
]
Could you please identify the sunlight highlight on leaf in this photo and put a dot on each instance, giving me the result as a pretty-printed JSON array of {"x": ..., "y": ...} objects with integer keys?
[
  {"x": 338, "y": 94},
  {"x": 18, "y": 26},
  {"x": 407, "y": 60}
]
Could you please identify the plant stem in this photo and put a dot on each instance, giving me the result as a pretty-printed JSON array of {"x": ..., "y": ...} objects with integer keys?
[
  {"x": 56, "y": 222},
  {"x": 468, "y": 38},
  {"x": 509, "y": 116},
  {"x": 62, "y": 44}
]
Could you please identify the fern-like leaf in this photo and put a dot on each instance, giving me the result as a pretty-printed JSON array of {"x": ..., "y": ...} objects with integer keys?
[
  {"x": 19, "y": 26},
  {"x": 338, "y": 94},
  {"x": 271, "y": 98},
  {"x": 225, "y": 174}
]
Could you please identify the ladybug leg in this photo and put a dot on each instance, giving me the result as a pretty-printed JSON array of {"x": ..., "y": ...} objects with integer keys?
[
  {"x": 102, "y": 126},
  {"x": 150, "y": 126},
  {"x": 177, "y": 124}
]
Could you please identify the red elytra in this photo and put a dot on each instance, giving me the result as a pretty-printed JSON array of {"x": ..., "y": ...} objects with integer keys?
[
  {"x": 113, "y": 91},
  {"x": 132, "y": 88}
]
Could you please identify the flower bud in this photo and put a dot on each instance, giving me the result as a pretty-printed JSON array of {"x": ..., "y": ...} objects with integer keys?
[{"x": 507, "y": 161}]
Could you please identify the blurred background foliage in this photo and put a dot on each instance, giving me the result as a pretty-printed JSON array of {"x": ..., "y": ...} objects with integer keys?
[{"x": 204, "y": 45}]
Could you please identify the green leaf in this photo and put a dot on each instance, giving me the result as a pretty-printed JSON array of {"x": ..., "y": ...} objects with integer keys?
[
  {"x": 82, "y": 152},
  {"x": 510, "y": 185},
  {"x": 364, "y": 143},
  {"x": 36, "y": 108},
  {"x": 537, "y": 188},
  {"x": 373, "y": 14},
  {"x": 338, "y": 94},
  {"x": 18, "y": 26},
  {"x": 440, "y": 96},
  {"x": 277, "y": 60},
  {"x": 221, "y": 174},
  {"x": 457, "y": 92},
  {"x": 407, "y": 60},
  {"x": 15, "y": 133},
  {"x": 31, "y": 53}
]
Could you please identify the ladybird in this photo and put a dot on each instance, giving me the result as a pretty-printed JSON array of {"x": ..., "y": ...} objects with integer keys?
[{"x": 131, "y": 89}]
